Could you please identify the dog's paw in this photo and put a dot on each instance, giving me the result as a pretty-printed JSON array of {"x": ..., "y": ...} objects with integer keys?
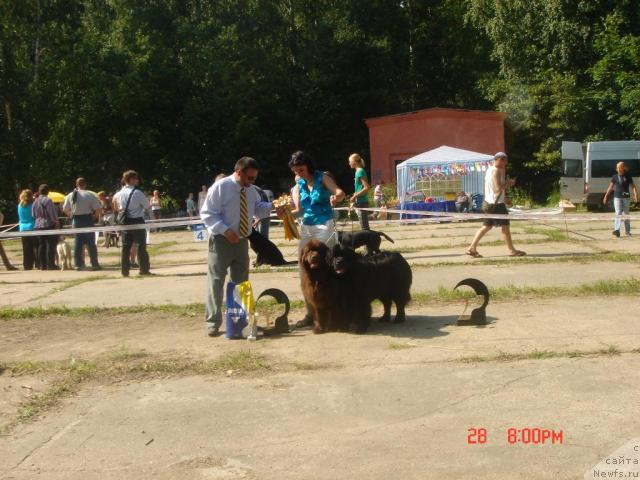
[{"x": 318, "y": 329}]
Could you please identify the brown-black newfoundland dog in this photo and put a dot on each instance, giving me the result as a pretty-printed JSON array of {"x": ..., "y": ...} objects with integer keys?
[
  {"x": 321, "y": 289},
  {"x": 384, "y": 276}
]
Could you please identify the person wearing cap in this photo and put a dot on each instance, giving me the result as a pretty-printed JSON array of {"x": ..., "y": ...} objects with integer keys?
[
  {"x": 83, "y": 207},
  {"x": 227, "y": 211},
  {"x": 495, "y": 191}
]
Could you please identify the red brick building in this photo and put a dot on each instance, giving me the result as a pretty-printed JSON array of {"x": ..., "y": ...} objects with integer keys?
[{"x": 394, "y": 138}]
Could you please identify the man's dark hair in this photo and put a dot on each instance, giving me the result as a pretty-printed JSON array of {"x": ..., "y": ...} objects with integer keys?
[
  {"x": 43, "y": 189},
  {"x": 81, "y": 182},
  {"x": 301, "y": 158},
  {"x": 246, "y": 163}
]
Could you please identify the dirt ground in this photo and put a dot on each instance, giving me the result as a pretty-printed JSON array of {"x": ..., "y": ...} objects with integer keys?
[{"x": 120, "y": 380}]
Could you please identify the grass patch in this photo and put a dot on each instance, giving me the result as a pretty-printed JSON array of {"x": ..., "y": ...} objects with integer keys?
[
  {"x": 552, "y": 234},
  {"x": 190, "y": 310},
  {"x": 70, "y": 284},
  {"x": 119, "y": 366},
  {"x": 307, "y": 366},
  {"x": 629, "y": 286},
  {"x": 124, "y": 354},
  {"x": 611, "y": 350},
  {"x": 559, "y": 237},
  {"x": 244, "y": 361},
  {"x": 75, "y": 372},
  {"x": 617, "y": 257},
  {"x": 157, "y": 248},
  {"x": 398, "y": 346}
]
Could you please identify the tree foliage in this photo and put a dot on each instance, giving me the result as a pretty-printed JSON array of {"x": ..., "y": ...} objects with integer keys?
[{"x": 179, "y": 89}]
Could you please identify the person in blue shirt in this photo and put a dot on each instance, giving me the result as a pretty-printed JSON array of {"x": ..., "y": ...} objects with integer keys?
[
  {"x": 229, "y": 207},
  {"x": 314, "y": 197},
  {"x": 27, "y": 223}
]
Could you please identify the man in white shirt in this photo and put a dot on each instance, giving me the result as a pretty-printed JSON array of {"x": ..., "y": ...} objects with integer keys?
[
  {"x": 495, "y": 193},
  {"x": 82, "y": 207},
  {"x": 227, "y": 211},
  {"x": 135, "y": 202}
]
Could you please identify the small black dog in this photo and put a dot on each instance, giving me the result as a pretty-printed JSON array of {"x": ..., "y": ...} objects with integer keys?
[
  {"x": 385, "y": 276},
  {"x": 368, "y": 238},
  {"x": 267, "y": 251}
]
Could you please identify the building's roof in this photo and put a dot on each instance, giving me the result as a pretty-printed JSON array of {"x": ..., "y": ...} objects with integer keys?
[
  {"x": 434, "y": 113},
  {"x": 445, "y": 154}
]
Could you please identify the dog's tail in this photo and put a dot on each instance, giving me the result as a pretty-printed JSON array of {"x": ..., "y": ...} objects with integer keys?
[{"x": 386, "y": 236}]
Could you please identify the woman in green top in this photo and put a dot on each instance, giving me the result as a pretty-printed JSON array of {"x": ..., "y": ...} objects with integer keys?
[{"x": 360, "y": 199}]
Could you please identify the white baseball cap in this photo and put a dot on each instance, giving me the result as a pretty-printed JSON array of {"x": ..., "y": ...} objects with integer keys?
[{"x": 500, "y": 155}]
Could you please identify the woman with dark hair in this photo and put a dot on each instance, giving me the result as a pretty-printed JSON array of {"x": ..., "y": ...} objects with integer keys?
[
  {"x": 46, "y": 218},
  {"x": 314, "y": 196},
  {"x": 27, "y": 223}
]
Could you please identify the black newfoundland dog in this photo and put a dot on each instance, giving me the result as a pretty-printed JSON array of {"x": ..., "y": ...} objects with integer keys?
[
  {"x": 266, "y": 251},
  {"x": 384, "y": 276}
]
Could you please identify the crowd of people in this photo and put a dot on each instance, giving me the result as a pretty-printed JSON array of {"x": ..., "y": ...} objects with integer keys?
[
  {"x": 232, "y": 206},
  {"x": 83, "y": 208}
]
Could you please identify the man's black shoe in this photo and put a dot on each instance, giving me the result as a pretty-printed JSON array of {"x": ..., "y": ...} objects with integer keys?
[
  {"x": 213, "y": 332},
  {"x": 616, "y": 233}
]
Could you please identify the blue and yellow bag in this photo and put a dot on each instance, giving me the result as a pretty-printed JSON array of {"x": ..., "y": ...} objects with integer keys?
[{"x": 240, "y": 308}]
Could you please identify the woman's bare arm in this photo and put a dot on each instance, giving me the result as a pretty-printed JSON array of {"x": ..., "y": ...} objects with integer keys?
[{"x": 332, "y": 186}]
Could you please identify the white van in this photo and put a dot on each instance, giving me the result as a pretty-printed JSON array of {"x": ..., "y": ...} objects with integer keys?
[
  {"x": 572, "y": 179},
  {"x": 596, "y": 163}
]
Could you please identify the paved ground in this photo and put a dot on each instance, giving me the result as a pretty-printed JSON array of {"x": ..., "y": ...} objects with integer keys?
[{"x": 395, "y": 403}]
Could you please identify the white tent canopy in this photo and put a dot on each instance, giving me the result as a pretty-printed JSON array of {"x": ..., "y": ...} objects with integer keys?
[
  {"x": 444, "y": 154},
  {"x": 449, "y": 162}
]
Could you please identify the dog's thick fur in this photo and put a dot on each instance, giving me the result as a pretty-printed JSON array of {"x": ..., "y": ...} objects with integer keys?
[
  {"x": 385, "y": 276},
  {"x": 267, "y": 252},
  {"x": 321, "y": 289},
  {"x": 63, "y": 251},
  {"x": 367, "y": 238}
]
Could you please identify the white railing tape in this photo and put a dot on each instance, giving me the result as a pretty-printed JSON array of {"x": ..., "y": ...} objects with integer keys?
[{"x": 515, "y": 214}]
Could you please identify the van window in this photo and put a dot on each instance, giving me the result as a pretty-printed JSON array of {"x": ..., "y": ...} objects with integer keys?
[
  {"x": 571, "y": 168},
  {"x": 607, "y": 168}
]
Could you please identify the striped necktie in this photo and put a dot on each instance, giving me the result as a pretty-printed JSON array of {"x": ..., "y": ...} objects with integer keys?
[{"x": 244, "y": 214}]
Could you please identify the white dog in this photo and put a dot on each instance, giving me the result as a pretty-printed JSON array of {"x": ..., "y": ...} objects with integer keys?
[{"x": 64, "y": 254}]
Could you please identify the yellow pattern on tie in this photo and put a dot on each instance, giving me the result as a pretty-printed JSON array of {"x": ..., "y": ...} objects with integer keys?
[{"x": 243, "y": 230}]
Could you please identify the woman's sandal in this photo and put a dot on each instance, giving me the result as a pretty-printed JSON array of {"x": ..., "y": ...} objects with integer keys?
[
  {"x": 517, "y": 253},
  {"x": 473, "y": 253}
]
